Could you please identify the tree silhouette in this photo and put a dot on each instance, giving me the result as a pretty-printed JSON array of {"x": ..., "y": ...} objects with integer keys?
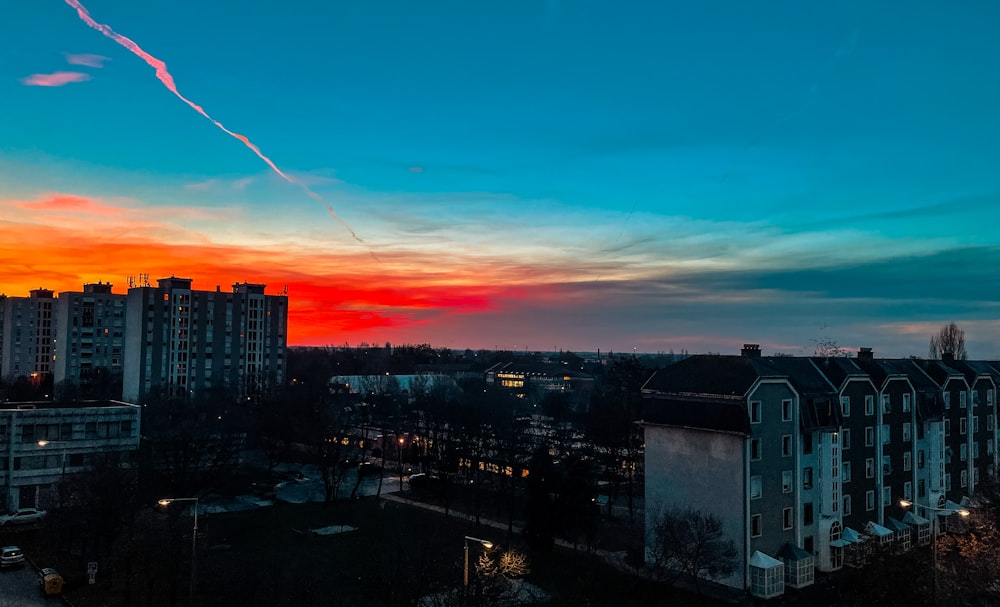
[{"x": 949, "y": 340}]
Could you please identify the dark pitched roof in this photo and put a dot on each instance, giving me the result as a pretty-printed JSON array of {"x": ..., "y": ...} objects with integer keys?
[
  {"x": 837, "y": 369},
  {"x": 820, "y": 412},
  {"x": 717, "y": 414},
  {"x": 973, "y": 369},
  {"x": 705, "y": 374}
]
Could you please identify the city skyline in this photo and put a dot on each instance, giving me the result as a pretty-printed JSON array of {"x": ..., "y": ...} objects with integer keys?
[{"x": 531, "y": 175}]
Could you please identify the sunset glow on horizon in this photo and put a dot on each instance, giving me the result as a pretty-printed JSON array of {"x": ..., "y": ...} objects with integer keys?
[{"x": 528, "y": 175}]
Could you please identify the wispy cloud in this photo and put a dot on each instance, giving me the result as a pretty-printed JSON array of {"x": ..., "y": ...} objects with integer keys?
[
  {"x": 55, "y": 79},
  {"x": 86, "y": 59}
]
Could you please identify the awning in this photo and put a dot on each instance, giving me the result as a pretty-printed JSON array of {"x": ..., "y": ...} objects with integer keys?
[
  {"x": 759, "y": 559},
  {"x": 839, "y": 543},
  {"x": 852, "y": 536},
  {"x": 915, "y": 519},
  {"x": 874, "y": 528},
  {"x": 895, "y": 525},
  {"x": 790, "y": 552}
]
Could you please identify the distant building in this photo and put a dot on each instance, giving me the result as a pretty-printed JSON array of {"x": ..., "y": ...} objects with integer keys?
[
  {"x": 184, "y": 343},
  {"x": 89, "y": 349},
  {"x": 805, "y": 460},
  {"x": 530, "y": 379},
  {"x": 72, "y": 434},
  {"x": 26, "y": 345}
]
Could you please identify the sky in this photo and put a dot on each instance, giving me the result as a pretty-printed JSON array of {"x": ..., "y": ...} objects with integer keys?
[{"x": 519, "y": 174}]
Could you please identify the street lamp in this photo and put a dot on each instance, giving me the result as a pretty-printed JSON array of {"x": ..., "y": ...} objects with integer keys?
[
  {"x": 194, "y": 535},
  {"x": 934, "y": 538},
  {"x": 484, "y": 543}
]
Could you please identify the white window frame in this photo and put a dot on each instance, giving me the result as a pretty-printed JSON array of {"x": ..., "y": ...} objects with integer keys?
[{"x": 870, "y": 404}]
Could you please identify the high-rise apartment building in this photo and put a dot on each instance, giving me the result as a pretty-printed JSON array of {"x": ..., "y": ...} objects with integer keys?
[
  {"x": 184, "y": 343},
  {"x": 90, "y": 342},
  {"x": 29, "y": 326}
]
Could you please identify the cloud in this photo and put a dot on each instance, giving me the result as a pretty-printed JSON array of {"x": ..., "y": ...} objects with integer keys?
[
  {"x": 86, "y": 59},
  {"x": 67, "y": 202},
  {"x": 55, "y": 79}
]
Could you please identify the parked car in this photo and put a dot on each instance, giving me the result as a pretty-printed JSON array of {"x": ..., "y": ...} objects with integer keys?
[
  {"x": 11, "y": 556},
  {"x": 22, "y": 516},
  {"x": 423, "y": 481}
]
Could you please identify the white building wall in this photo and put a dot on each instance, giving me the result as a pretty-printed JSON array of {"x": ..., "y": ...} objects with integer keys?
[{"x": 699, "y": 470}]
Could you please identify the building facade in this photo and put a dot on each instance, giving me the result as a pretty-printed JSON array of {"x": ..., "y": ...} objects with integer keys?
[
  {"x": 808, "y": 458},
  {"x": 41, "y": 442},
  {"x": 89, "y": 347},
  {"x": 185, "y": 343},
  {"x": 26, "y": 340}
]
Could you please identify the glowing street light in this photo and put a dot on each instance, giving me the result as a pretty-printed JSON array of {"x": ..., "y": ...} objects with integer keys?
[
  {"x": 194, "y": 536},
  {"x": 934, "y": 540},
  {"x": 486, "y": 544}
]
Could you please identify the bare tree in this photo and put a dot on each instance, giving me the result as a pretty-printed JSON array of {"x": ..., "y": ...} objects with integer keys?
[
  {"x": 950, "y": 339},
  {"x": 690, "y": 543}
]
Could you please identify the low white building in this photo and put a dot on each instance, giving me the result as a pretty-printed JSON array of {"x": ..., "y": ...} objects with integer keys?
[{"x": 42, "y": 441}]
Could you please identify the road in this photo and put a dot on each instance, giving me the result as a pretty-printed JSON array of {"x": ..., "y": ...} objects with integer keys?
[{"x": 19, "y": 588}]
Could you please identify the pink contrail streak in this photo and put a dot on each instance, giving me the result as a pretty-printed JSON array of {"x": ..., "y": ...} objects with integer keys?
[{"x": 168, "y": 81}]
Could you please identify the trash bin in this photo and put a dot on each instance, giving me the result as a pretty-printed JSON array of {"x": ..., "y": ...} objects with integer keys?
[{"x": 51, "y": 582}]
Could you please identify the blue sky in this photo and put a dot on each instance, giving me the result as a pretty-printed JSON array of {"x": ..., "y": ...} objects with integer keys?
[{"x": 528, "y": 173}]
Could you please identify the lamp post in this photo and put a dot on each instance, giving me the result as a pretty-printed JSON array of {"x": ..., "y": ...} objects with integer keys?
[
  {"x": 194, "y": 536},
  {"x": 934, "y": 538},
  {"x": 484, "y": 543}
]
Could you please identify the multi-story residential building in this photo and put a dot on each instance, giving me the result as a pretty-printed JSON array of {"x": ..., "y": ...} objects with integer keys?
[
  {"x": 184, "y": 343},
  {"x": 40, "y": 442},
  {"x": 807, "y": 459},
  {"x": 27, "y": 336},
  {"x": 90, "y": 345}
]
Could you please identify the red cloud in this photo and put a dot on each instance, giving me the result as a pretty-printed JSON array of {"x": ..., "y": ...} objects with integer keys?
[
  {"x": 87, "y": 59},
  {"x": 55, "y": 79},
  {"x": 67, "y": 202}
]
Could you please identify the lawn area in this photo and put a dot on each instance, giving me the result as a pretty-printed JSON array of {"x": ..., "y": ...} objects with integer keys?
[{"x": 388, "y": 554}]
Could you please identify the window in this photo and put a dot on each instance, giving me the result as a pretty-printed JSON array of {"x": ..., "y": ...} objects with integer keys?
[
  {"x": 886, "y": 465},
  {"x": 947, "y": 427},
  {"x": 786, "y": 410},
  {"x": 962, "y": 400},
  {"x": 975, "y": 450},
  {"x": 755, "y": 448},
  {"x": 906, "y": 402},
  {"x": 786, "y": 481},
  {"x": 962, "y": 425},
  {"x": 887, "y": 496},
  {"x": 847, "y": 505},
  {"x": 869, "y": 500},
  {"x": 869, "y": 436},
  {"x": 885, "y": 434},
  {"x": 963, "y": 452},
  {"x": 947, "y": 482},
  {"x": 989, "y": 446},
  {"x": 975, "y": 423},
  {"x": 807, "y": 478},
  {"x": 989, "y": 422},
  {"x": 807, "y": 443},
  {"x": 907, "y": 490},
  {"x": 907, "y": 432},
  {"x": 845, "y": 406},
  {"x": 921, "y": 488},
  {"x": 786, "y": 519},
  {"x": 870, "y": 467},
  {"x": 964, "y": 478},
  {"x": 845, "y": 439},
  {"x": 947, "y": 400},
  {"x": 755, "y": 530},
  {"x": 755, "y": 487},
  {"x": 869, "y": 405},
  {"x": 807, "y": 514},
  {"x": 755, "y": 412},
  {"x": 886, "y": 406},
  {"x": 845, "y": 472},
  {"x": 786, "y": 445}
]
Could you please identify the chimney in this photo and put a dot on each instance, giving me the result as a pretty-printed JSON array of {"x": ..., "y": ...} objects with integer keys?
[
  {"x": 750, "y": 351},
  {"x": 865, "y": 354},
  {"x": 947, "y": 357}
]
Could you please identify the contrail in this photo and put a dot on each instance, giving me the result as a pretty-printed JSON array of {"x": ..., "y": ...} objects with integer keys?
[{"x": 168, "y": 81}]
